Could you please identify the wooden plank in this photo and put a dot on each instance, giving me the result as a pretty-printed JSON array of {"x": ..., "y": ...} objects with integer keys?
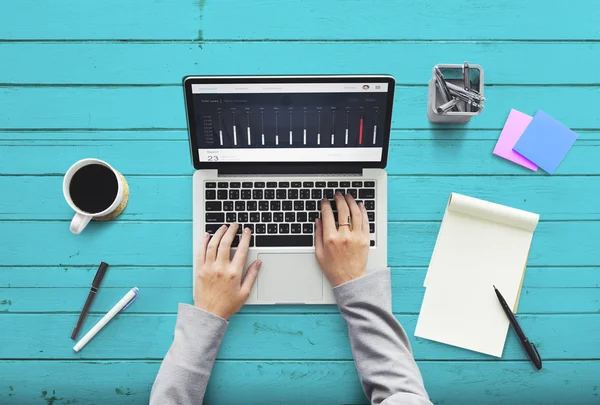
[
  {"x": 411, "y": 198},
  {"x": 407, "y": 299},
  {"x": 63, "y": 289},
  {"x": 114, "y": 107},
  {"x": 71, "y": 19},
  {"x": 140, "y": 134},
  {"x": 180, "y": 277},
  {"x": 443, "y": 157},
  {"x": 312, "y": 20},
  {"x": 450, "y": 383},
  {"x": 169, "y": 243},
  {"x": 276, "y": 337},
  {"x": 406, "y": 158},
  {"x": 382, "y": 19},
  {"x": 167, "y": 63}
]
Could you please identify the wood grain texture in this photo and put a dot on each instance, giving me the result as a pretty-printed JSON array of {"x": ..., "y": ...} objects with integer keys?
[
  {"x": 70, "y": 19},
  {"x": 407, "y": 300},
  {"x": 160, "y": 243},
  {"x": 411, "y": 63},
  {"x": 544, "y": 195},
  {"x": 312, "y": 19},
  {"x": 179, "y": 277},
  {"x": 311, "y": 382},
  {"x": 114, "y": 107},
  {"x": 275, "y": 337}
]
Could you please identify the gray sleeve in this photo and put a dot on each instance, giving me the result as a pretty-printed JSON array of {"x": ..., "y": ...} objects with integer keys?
[
  {"x": 381, "y": 351},
  {"x": 185, "y": 371}
]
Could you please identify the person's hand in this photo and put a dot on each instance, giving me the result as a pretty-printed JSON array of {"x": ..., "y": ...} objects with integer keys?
[
  {"x": 342, "y": 252},
  {"x": 220, "y": 287}
]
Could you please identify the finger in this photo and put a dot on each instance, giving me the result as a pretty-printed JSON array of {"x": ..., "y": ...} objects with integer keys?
[
  {"x": 318, "y": 237},
  {"x": 225, "y": 246},
  {"x": 327, "y": 219},
  {"x": 250, "y": 277},
  {"x": 354, "y": 212},
  {"x": 202, "y": 248},
  {"x": 241, "y": 253},
  {"x": 365, "y": 218},
  {"x": 213, "y": 245},
  {"x": 342, "y": 209}
]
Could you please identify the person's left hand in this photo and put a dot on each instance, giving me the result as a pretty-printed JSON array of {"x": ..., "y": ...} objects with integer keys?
[{"x": 220, "y": 287}]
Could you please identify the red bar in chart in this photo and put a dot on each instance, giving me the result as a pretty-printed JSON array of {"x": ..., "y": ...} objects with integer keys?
[{"x": 360, "y": 129}]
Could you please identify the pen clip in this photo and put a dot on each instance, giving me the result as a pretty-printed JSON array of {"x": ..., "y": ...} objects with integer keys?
[
  {"x": 537, "y": 355},
  {"x": 135, "y": 292}
]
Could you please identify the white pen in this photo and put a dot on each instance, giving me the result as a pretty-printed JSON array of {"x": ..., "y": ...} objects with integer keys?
[{"x": 126, "y": 301}]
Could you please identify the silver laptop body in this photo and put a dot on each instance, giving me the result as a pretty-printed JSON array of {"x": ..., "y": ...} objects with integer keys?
[{"x": 266, "y": 149}]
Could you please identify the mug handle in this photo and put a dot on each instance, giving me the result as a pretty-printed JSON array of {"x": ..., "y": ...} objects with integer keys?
[{"x": 79, "y": 222}]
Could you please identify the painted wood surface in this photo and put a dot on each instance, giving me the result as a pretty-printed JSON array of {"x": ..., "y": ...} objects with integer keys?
[
  {"x": 179, "y": 277},
  {"x": 102, "y": 79},
  {"x": 315, "y": 382},
  {"x": 545, "y": 195},
  {"x": 164, "y": 243},
  {"x": 410, "y": 62},
  {"x": 277, "y": 336},
  {"x": 407, "y": 298},
  {"x": 151, "y": 107},
  {"x": 268, "y": 20}
]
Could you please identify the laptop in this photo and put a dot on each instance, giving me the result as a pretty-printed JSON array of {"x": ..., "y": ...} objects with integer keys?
[{"x": 267, "y": 149}]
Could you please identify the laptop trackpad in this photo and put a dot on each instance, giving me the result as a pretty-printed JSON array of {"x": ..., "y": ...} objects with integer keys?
[{"x": 289, "y": 278}]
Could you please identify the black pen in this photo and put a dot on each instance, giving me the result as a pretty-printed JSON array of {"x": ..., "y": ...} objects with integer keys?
[
  {"x": 529, "y": 347},
  {"x": 88, "y": 302}
]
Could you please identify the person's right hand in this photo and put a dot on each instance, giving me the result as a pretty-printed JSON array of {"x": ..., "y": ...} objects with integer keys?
[{"x": 342, "y": 252}]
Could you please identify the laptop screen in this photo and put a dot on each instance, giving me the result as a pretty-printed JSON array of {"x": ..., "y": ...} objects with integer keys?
[{"x": 303, "y": 121}]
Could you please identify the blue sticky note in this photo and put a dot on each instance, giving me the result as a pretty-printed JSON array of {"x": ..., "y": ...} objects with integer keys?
[{"x": 545, "y": 142}]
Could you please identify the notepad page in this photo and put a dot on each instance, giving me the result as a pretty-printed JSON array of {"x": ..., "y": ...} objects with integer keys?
[
  {"x": 468, "y": 320},
  {"x": 490, "y": 213},
  {"x": 471, "y": 255}
]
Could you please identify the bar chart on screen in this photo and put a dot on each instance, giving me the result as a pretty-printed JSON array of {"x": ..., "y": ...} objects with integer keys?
[{"x": 289, "y": 127}]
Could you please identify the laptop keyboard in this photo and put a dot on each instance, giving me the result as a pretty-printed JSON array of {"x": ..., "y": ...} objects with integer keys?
[{"x": 280, "y": 213}]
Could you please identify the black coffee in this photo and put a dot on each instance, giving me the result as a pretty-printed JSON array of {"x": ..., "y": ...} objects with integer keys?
[{"x": 93, "y": 188}]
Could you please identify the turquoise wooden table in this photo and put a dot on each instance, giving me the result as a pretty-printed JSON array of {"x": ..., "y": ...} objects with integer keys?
[{"x": 102, "y": 79}]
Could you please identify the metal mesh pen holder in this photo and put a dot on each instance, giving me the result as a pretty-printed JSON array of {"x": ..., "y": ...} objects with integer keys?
[{"x": 455, "y": 78}]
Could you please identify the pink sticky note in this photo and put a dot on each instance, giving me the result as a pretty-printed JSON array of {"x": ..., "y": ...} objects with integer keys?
[{"x": 512, "y": 131}]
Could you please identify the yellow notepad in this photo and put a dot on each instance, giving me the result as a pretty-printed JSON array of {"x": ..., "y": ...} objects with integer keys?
[{"x": 480, "y": 244}]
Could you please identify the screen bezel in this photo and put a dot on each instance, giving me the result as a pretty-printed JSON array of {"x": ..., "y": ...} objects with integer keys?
[{"x": 282, "y": 166}]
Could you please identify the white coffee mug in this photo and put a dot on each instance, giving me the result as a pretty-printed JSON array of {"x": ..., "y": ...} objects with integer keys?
[{"x": 82, "y": 218}]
